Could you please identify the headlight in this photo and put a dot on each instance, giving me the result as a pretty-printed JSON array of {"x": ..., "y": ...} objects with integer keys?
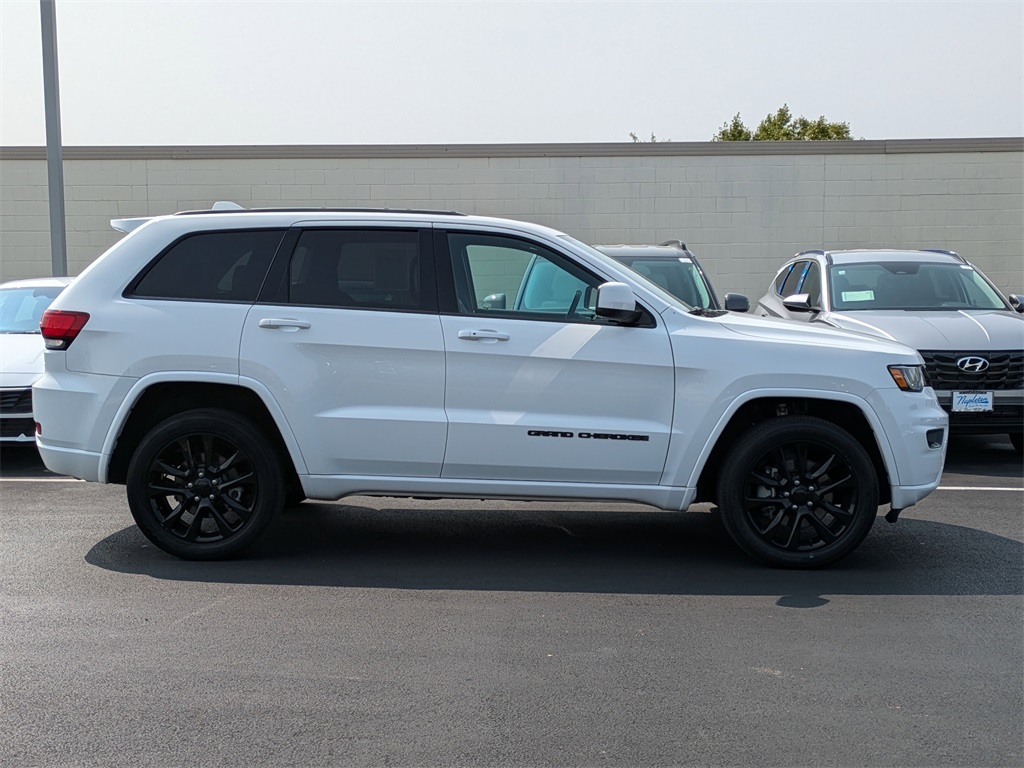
[{"x": 909, "y": 378}]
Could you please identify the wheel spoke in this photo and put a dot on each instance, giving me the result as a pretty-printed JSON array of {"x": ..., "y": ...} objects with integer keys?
[
  {"x": 235, "y": 481},
  {"x": 227, "y": 462},
  {"x": 823, "y": 531},
  {"x": 771, "y": 482},
  {"x": 186, "y": 449},
  {"x": 237, "y": 506},
  {"x": 225, "y": 528},
  {"x": 208, "y": 450},
  {"x": 774, "y": 523},
  {"x": 793, "y": 540},
  {"x": 837, "y": 512},
  {"x": 822, "y": 469},
  {"x": 196, "y": 526},
  {"x": 166, "y": 490},
  {"x": 174, "y": 517},
  {"x": 170, "y": 470},
  {"x": 801, "y": 459},
  {"x": 783, "y": 462},
  {"x": 837, "y": 484}
]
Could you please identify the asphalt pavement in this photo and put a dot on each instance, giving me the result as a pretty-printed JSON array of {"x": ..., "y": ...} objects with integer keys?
[{"x": 374, "y": 632}]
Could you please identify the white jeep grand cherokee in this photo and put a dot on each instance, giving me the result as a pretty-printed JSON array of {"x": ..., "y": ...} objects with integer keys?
[{"x": 223, "y": 363}]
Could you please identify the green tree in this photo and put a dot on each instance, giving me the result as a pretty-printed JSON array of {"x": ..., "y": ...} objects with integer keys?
[{"x": 782, "y": 126}]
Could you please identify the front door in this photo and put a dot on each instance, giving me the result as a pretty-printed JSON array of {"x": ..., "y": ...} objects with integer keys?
[{"x": 538, "y": 387}]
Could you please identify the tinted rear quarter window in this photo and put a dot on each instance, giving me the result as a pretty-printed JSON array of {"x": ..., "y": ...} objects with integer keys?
[{"x": 211, "y": 266}]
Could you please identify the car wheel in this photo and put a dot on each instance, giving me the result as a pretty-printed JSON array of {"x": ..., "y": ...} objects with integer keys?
[
  {"x": 798, "y": 492},
  {"x": 1017, "y": 438},
  {"x": 204, "y": 484}
]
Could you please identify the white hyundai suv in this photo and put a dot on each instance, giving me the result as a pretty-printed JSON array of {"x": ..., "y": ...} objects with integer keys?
[{"x": 223, "y": 363}]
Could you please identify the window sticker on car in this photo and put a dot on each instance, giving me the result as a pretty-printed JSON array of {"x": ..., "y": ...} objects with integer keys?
[
  {"x": 858, "y": 295},
  {"x": 685, "y": 261}
]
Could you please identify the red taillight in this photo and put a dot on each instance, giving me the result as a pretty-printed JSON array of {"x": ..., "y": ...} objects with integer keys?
[{"x": 60, "y": 328}]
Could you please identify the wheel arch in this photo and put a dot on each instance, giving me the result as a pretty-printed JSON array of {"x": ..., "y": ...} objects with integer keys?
[
  {"x": 154, "y": 399},
  {"x": 852, "y": 415}
]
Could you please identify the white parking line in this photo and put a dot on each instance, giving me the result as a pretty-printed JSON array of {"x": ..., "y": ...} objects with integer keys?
[{"x": 974, "y": 488}]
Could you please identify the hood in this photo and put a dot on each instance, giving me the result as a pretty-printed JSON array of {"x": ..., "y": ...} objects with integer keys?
[
  {"x": 816, "y": 334},
  {"x": 21, "y": 359},
  {"x": 956, "y": 329}
]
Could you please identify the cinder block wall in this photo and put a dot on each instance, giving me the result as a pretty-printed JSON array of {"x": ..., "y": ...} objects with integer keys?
[{"x": 743, "y": 208}]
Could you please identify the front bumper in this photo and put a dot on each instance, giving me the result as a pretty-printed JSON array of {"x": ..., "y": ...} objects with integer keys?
[
  {"x": 917, "y": 457},
  {"x": 17, "y": 424}
]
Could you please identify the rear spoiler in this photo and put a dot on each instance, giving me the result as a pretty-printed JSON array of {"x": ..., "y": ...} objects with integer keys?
[{"x": 131, "y": 224}]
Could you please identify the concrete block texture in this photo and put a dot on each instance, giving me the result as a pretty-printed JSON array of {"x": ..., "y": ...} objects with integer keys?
[{"x": 743, "y": 209}]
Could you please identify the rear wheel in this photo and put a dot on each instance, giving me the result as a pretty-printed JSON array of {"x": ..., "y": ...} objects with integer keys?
[
  {"x": 204, "y": 484},
  {"x": 798, "y": 492}
]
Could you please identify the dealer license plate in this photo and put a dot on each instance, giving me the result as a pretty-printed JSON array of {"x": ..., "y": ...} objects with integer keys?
[{"x": 972, "y": 401}]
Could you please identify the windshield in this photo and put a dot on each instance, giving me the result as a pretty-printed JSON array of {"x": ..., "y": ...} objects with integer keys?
[
  {"x": 21, "y": 308},
  {"x": 680, "y": 277},
  {"x": 912, "y": 286},
  {"x": 649, "y": 284}
]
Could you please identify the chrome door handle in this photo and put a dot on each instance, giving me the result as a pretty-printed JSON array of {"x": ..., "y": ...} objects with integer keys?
[
  {"x": 483, "y": 335},
  {"x": 283, "y": 322}
]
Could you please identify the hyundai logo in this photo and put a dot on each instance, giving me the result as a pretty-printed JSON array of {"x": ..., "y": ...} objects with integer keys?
[{"x": 972, "y": 364}]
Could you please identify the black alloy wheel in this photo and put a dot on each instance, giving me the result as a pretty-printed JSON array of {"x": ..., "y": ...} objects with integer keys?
[
  {"x": 798, "y": 492},
  {"x": 204, "y": 484}
]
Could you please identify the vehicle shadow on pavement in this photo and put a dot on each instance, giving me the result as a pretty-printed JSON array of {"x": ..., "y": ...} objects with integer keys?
[{"x": 427, "y": 547}]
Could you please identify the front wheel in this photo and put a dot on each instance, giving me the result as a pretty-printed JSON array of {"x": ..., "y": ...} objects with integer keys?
[
  {"x": 798, "y": 492},
  {"x": 204, "y": 484}
]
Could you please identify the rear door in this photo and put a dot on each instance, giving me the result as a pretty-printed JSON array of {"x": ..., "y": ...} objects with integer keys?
[{"x": 347, "y": 337}]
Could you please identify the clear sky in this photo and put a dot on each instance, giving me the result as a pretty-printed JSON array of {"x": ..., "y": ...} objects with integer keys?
[{"x": 146, "y": 72}]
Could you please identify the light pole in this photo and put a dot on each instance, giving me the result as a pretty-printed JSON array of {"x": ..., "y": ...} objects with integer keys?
[{"x": 54, "y": 152}]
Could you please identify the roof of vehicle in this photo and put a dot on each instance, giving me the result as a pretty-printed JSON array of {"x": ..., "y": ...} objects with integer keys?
[
  {"x": 37, "y": 282},
  {"x": 663, "y": 251},
  {"x": 868, "y": 256},
  {"x": 221, "y": 216}
]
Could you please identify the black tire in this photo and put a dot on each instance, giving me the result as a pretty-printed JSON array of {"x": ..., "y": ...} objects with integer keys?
[
  {"x": 798, "y": 492},
  {"x": 1017, "y": 438},
  {"x": 203, "y": 484}
]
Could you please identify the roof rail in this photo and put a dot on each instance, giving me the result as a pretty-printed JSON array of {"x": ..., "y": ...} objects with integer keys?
[
  {"x": 677, "y": 243},
  {"x": 954, "y": 254},
  {"x": 318, "y": 210},
  {"x": 817, "y": 252}
]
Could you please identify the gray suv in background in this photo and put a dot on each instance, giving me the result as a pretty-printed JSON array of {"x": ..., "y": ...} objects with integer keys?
[
  {"x": 970, "y": 336},
  {"x": 675, "y": 269}
]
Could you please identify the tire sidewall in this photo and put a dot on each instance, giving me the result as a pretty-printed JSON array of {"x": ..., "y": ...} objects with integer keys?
[
  {"x": 231, "y": 427},
  {"x": 754, "y": 443}
]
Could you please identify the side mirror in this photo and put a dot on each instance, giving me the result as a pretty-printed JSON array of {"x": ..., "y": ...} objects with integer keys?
[
  {"x": 1017, "y": 302},
  {"x": 799, "y": 302},
  {"x": 737, "y": 302},
  {"x": 617, "y": 302},
  {"x": 494, "y": 301}
]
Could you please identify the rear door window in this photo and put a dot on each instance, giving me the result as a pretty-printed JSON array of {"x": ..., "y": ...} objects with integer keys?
[{"x": 362, "y": 269}]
